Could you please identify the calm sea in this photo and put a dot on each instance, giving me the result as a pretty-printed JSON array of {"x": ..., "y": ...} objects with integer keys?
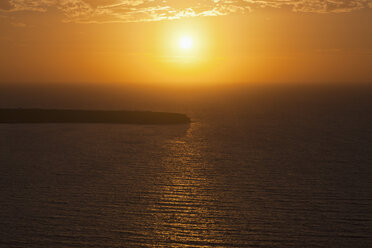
[{"x": 248, "y": 173}]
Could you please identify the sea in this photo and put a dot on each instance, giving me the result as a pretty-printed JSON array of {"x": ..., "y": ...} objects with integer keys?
[{"x": 282, "y": 168}]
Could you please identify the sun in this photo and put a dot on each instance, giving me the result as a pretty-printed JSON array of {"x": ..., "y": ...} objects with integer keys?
[{"x": 185, "y": 42}]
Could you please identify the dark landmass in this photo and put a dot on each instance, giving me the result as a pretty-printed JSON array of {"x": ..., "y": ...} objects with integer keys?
[{"x": 89, "y": 116}]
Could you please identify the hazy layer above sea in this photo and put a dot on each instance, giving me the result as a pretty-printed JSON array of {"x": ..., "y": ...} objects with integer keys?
[{"x": 174, "y": 98}]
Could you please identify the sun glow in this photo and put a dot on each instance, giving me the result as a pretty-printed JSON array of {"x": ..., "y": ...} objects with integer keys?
[
  {"x": 185, "y": 42},
  {"x": 184, "y": 53}
]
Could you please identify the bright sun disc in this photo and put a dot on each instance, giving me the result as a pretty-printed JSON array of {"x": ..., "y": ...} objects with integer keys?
[{"x": 185, "y": 42}]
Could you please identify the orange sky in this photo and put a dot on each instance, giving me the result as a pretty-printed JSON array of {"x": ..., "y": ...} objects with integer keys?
[{"x": 235, "y": 41}]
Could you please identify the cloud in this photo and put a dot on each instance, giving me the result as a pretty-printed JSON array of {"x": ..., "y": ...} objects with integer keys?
[
  {"x": 328, "y": 6},
  {"x": 97, "y": 11},
  {"x": 26, "y": 5},
  {"x": 18, "y": 24}
]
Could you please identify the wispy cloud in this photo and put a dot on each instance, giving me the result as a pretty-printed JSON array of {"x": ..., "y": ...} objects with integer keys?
[
  {"x": 18, "y": 24},
  {"x": 90, "y": 11},
  {"x": 27, "y": 5}
]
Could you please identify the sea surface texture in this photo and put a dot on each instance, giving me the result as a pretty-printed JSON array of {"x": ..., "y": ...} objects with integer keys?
[{"x": 268, "y": 173}]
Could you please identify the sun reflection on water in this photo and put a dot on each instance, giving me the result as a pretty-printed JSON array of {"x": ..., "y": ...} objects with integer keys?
[{"x": 182, "y": 214}]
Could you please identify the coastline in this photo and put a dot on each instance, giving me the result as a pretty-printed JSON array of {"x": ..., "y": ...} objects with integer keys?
[{"x": 90, "y": 116}]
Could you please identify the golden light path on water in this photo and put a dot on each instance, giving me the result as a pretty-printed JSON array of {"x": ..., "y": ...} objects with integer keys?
[{"x": 183, "y": 214}]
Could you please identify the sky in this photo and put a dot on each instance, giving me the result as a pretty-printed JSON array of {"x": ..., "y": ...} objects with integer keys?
[{"x": 138, "y": 41}]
